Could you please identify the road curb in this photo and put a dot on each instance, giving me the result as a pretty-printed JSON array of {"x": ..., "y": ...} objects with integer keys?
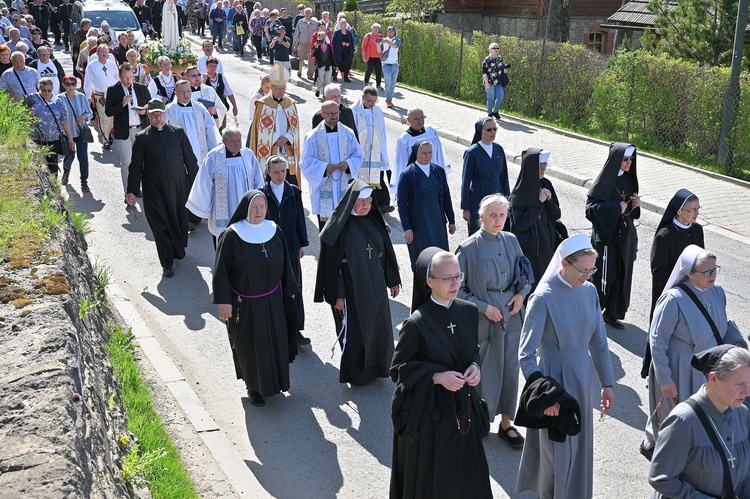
[{"x": 239, "y": 477}]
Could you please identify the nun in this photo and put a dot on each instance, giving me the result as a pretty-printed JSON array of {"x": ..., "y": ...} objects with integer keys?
[
  {"x": 252, "y": 280},
  {"x": 356, "y": 269},
  {"x": 485, "y": 171},
  {"x": 534, "y": 209},
  {"x": 612, "y": 206},
  {"x": 690, "y": 316},
  {"x": 703, "y": 448},
  {"x": 562, "y": 333},
  {"x": 424, "y": 202},
  {"x": 438, "y": 416}
]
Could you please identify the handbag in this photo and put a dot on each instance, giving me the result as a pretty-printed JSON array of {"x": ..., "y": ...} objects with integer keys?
[
  {"x": 83, "y": 130},
  {"x": 62, "y": 142},
  {"x": 294, "y": 61}
]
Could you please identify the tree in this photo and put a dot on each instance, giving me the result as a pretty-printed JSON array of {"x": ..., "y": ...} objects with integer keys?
[
  {"x": 558, "y": 20},
  {"x": 414, "y": 9},
  {"x": 351, "y": 6},
  {"x": 696, "y": 30}
]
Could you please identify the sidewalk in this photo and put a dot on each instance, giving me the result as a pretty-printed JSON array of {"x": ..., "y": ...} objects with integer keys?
[{"x": 575, "y": 158}]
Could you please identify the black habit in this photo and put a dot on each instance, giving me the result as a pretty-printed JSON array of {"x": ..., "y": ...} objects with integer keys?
[
  {"x": 357, "y": 263},
  {"x": 613, "y": 234},
  {"x": 532, "y": 221},
  {"x": 262, "y": 344},
  {"x": 164, "y": 164},
  {"x": 432, "y": 457}
]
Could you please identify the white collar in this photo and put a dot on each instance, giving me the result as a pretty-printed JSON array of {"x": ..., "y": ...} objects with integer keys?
[
  {"x": 620, "y": 173},
  {"x": 437, "y": 302},
  {"x": 680, "y": 224},
  {"x": 254, "y": 234},
  {"x": 562, "y": 279}
]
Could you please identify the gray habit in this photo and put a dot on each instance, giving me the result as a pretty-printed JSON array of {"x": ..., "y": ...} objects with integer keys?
[
  {"x": 488, "y": 262},
  {"x": 678, "y": 331},
  {"x": 563, "y": 327},
  {"x": 686, "y": 464}
]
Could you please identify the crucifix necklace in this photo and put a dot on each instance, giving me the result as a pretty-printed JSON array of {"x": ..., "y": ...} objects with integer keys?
[
  {"x": 452, "y": 327},
  {"x": 369, "y": 251},
  {"x": 264, "y": 250},
  {"x": 731, "y": 459}
]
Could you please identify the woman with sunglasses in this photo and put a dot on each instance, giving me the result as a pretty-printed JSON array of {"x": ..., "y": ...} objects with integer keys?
[
  {"x": 79, "y": 115},
  {"x": 682, "y": 327},
  {"x": 612, "y": 206}
]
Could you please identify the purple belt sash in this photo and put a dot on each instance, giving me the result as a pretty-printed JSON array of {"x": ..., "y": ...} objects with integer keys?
[{"x": 252, "y": 297}]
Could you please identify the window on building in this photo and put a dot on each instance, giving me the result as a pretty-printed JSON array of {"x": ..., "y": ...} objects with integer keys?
[{"x": 596, "y": 41}]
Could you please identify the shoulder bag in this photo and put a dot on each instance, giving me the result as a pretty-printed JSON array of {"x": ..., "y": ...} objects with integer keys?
[
  {"x": 83, "y": 130},
  {"x": 27, "y": 102},
  {"x": 728, "y": 488}
]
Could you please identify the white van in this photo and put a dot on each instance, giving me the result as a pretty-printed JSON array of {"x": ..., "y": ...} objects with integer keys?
[{"x": 119, "y": 15}]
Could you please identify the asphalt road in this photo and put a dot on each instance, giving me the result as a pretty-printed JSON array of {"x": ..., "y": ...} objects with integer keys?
[{"x": 324, "y": 439}]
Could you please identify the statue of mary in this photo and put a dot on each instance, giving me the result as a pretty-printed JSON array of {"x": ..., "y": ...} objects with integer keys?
[{"x": 169, "y": 28}]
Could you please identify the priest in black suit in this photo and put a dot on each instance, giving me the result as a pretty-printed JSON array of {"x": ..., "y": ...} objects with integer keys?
[
  {"x": 125, "y": 101},
  {"x": 164, "y": 164}
]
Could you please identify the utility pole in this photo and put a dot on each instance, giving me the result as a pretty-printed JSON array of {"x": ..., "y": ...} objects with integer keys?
[{"x": 732, "y": 96}]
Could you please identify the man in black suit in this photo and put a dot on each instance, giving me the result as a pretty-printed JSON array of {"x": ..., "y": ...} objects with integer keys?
[
  {"x": 346, "y": 116},
  {"x": 123, "y": 98}
]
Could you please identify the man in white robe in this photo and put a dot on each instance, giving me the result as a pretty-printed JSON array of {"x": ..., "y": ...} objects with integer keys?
[
  {"x": 417, "y": 131},
  {"x": 370, "y": 123},
  {"x": 227, "y": 173},
  {"x": 206, "y": 95},
  {"x": 195, "y": 119},
  {"x": 330, "y": 157}
]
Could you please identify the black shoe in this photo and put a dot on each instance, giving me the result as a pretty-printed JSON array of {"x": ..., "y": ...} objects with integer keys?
[
  {"x": 256, "y": 399},
  {"x": 647, "y": 453},
  {"x": 302, "y": 340},
  {"x": 85, "y": 186},
  {"x": 167, "y": 271},
  {"x": 615, "y": 323},
  {"x": 317, "y": 93},
  {"x": 495, "y": 115},
  {"x": 515, "y": 442},
  {"x": 380, "y": 88},
  {"x": 387, "y": 209},
  {"x": 65, "y": 177},
  {"x": 191, "y": 227},
  {"x": 335, "y": 78},
  {"x": 107, "y": 145},
  {"x": 347, "y": 80}
]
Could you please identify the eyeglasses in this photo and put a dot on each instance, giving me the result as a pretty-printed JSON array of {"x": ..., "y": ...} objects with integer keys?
[
  {"x": 694, "y": 210},
  {"x": 709, "y": 272},
  {"x": 627, "y": 159},
  {"x": 494, "y": 48},
  {"x": 196, "y": 75},
  {"x": 489, "y": 129},
  {"x": 584, "y": 272},
  {"x": 451, "y": 278},
  {"x": 543, "y": 165},
  {"x": 335, "y": 113},
  {"x": 70, "y": 84},
  {"x": 366, "y": 200}
]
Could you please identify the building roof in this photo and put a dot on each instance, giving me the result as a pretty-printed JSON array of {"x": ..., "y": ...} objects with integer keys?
[{"x": 634, "y": 15}]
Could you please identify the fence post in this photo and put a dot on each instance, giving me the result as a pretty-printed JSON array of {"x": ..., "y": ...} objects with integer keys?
[
  {"x": 630, "y": 100},
  {"x": 460, "y": 62}
]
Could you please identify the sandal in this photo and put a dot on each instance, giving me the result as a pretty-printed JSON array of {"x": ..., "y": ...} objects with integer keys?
[{"x": 515, "y": 442}]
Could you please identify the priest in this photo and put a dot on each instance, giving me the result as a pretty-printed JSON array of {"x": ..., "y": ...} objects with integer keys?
[
  {"x": 612, "y": 206},
  {"x": 275, "y": 127},
  {"x": 206, "y": 95},
  {"x": 227, "y": 173},
  {"x": 355, "y": 245},
  {"x": 331, "y": 156},
  {"x": 195, "y": 119},
  {"x": 164, "y": 163},
  {"x": 417, "y": 132},
  {"x": 370, "y": 122}
]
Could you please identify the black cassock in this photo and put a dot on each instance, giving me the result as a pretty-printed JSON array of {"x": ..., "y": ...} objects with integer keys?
[
  {"x": 164, "y": 164},
  {"x": 262, "y": 344},
  {"x": 363, "y": 281},
  {"x": 432, "y": 457}
]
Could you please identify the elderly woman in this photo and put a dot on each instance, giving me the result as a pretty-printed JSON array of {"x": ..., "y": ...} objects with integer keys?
[
  {"x": 485, "y": 171},
  {"x": 343, "y": 49},
  {"x": 256, "y": 33},
  {"x": 562, "y": 333},
  {"x": 690, "y": 316},
  {"x": 140, "y": 73},
  {"x": 438, "y": 418},
  {"x": 252, "y": 280},
  {"x": 492, "y": 77},
  {"x": 534, "y": 209},
  {"x": 79, "y": 113},
  {"x": 706, "y": 437},
  {"x": 162, "y": 85},
  {"x": 371, "y": 54},
  {"x": 489, "y": 261},
  {"x": 53, "y": 127},
  {"x": 4, "y": 58}
]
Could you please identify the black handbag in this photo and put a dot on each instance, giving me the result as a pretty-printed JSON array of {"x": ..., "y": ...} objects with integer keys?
[
  {"x": 83, "y": 130},
  {"x": 294, "y": 61}
]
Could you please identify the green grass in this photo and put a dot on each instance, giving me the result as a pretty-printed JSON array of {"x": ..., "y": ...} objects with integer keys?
[{"x": 155, "y": 460}]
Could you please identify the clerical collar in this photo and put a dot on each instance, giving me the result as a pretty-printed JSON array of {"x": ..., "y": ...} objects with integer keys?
[
  {"x": 415, "y": 133},
  {"x": 189, "y": 104},
  {"x": 195, "y": 89},
  {"x": 562, "y": 279},
  {"x": 620, "y": 173},
  {"x": 332, "y": 130},
  {"x": 277, "y": 100},
  {"x": 233, "y": 155},
  {"x": 681, "y": 225},
  {"x": 440, "y": 304}
]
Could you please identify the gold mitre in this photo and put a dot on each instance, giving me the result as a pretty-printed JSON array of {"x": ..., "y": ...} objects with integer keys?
[{"x": 279, "y": 75}]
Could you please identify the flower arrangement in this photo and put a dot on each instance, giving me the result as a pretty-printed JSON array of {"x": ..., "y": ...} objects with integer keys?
[{"x": 182, "y": 56}]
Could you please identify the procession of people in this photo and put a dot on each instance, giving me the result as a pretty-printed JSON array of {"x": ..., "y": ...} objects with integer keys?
[{"x": 518, "y": 296}]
